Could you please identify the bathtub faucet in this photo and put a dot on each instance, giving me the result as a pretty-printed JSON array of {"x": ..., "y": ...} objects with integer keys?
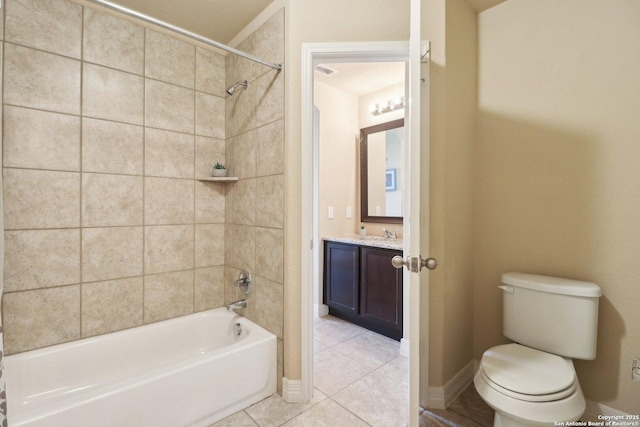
[{"x": 237, "y": 304}]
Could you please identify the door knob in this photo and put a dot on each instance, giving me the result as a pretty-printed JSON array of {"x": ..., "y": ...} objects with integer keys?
[{"x": 414, "y": 264}]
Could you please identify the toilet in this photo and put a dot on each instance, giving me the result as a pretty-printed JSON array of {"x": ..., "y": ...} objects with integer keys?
[{"x": 532, "y": 382}]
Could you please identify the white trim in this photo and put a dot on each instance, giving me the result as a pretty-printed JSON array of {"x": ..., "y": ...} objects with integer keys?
[
  {"x": 320, "y": 310},
  {"x": 404, "y": 347},
  {"x": 336, "y": 52},
  {"x": 442, "y": 397},
  {"x": 291, "y": 390},
  {"x": 595, "y": 409}
]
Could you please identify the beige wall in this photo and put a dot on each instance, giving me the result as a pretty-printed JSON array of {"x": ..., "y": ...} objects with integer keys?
[
  {"x": 557, "y": 169},
  {"x": 310, "y": 21},
  {"x": 339, "y": 151},
  {"x": 106, "y": 225},
  {"x": 450, "y": 25}
]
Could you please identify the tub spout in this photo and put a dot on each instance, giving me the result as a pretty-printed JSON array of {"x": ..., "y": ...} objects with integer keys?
[{"x": 237, "y": 304}]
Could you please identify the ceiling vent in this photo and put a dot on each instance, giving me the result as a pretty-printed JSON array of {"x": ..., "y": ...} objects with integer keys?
[{"x": 323, "y": 69}]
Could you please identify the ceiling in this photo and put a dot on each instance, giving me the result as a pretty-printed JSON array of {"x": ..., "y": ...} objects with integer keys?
[
  {"x": 222, "y": 20},
  {"x": 219, "y": 20},
  {"x": 362, "y": 77}
]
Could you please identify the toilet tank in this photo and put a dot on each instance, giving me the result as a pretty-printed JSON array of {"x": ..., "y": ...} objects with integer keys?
[{"x": 551, "y": 314}]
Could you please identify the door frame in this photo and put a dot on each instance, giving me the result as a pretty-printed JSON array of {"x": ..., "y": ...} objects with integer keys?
[{"x": 312, "y": 53}]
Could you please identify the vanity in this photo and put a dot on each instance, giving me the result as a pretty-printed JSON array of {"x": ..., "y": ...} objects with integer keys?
[{"x": 360, "y": 284}]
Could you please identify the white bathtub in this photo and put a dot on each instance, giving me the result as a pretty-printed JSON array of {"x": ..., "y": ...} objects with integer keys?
[{"x": 189, "y": 371}]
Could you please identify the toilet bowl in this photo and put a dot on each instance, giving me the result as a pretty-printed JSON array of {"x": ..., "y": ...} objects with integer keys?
[
  {"x": 532, "y": 382},
  {"x": 529, "y": 387}
]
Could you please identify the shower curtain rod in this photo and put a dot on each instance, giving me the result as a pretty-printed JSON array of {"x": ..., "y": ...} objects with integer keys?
[{"x": 184, "y": 32}]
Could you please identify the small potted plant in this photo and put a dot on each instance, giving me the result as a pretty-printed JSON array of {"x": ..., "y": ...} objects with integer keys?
[{"x": 218, "y": 170}]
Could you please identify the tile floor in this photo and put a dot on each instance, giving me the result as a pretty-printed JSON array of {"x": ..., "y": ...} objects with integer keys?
[{"x": 360, "y": 379}]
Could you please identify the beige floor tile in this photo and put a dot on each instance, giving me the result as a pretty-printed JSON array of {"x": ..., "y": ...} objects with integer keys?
[
  {"x": 333, "y": 371},
  {"x": 371, "y": 348},
  {"x": 326, "y": 414},
  {"x": 274, "y": 411},
  {"x": 377, "y": 399},
  {"x": 333, "y": 331},
  {"x": 397, "y": 369},
  {"x": 318, "y": 346},
  {"x": 239, "y": 419}
]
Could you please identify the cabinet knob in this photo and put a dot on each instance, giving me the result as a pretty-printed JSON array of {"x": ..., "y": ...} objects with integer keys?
[{"x": 399, "y": 262}]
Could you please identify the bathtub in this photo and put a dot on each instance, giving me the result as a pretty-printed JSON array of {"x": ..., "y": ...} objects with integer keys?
[{"x": 188, "y": 371}]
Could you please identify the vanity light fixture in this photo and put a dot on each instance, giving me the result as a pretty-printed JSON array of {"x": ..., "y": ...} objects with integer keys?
[{"x": 387, "y": 106}]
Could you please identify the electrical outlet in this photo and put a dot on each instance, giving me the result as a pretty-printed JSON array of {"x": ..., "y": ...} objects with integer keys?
[
  {"x": 330, "y": 212},
  {"x": 635, "y": 369},
  {"x": 349, "y": 212}
]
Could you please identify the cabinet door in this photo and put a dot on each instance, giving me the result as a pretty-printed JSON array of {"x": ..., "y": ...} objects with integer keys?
[
  {"x": 381, "y": 291},
  {"x": 341, "y": 277}
]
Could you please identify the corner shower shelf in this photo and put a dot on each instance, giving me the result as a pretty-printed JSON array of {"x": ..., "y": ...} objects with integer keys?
[{"x": 218, "y": 179}]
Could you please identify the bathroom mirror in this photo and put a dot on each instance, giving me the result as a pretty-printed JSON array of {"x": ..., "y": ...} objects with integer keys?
[{"x": 381, "y": 175}]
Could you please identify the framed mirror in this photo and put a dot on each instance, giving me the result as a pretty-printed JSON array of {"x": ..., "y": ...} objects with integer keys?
[{"x": 381, "y": 174}]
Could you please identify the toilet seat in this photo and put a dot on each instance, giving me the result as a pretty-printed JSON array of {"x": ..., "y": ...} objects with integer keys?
[{"x": 528, "y": 374}]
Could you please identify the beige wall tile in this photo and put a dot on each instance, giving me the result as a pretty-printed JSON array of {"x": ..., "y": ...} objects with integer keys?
[
  {"x": 243, "y": 202},
  {"x": 168, "y": 201},
  {"x": 270, "y": 254},
  {"x": 244, "y": 155},
  {"x": 270, "y": 201},
  {"x": 41, "y": 140},
  {"x": 169, "y": 59},
  {"x": 39, "y": 318},
  {"x": 241, "y": 110},
  {"x": 244, "y": 69},
  {"x": 168, "y": 295},
  {"x": 209, "y": 288},
  {"x": 41, "y": 258},
  {"x": 41, "y": 80},
  {"x": 112, "y": 95},
  {"x": 54, "y": 26},
  {"x": 111, "y": 253},
  {"x": 269, "y": 39},
  {"x": 270, "y": 149},
  {"x": 168, "y": 154},
  {"x": 111, "y": 200},
  {"x": 113, "y": 42},
  {"x": 209, "y": 245},
  {"x": 169, "y": 107},
  {"x": 111, "y": 306},
  {"x": 209, "y": 151},
  {"x": 210, "y": 69},
  {"x": 210, "y": 115},
  {"x": 210, "y": 202},
  {"x": 240, "y": 247},
  {"x": 41, "y": 199},
  {"x": 269, "y": 97},
  {"x": 269, "y": 302},
  {"x": 111, "y": 147},
  {"x": 168, "y": 248}
]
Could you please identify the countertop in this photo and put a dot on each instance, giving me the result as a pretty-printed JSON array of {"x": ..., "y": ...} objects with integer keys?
[{"x": 375, "y": 241}]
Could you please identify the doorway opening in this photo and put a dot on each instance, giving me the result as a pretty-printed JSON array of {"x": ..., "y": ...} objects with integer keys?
[{"x": 332, "y": 56}]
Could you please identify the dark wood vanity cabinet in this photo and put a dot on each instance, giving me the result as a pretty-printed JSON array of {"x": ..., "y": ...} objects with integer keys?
[{"x": 361, "y": 286}]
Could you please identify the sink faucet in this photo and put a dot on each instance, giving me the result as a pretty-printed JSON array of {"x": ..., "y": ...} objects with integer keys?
[
  {"x": 237, "y": 304},
  {"x": 390, "y": 235}
]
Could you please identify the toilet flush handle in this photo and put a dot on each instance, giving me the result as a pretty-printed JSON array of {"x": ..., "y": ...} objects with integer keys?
[{"x": 507, "y": 289}]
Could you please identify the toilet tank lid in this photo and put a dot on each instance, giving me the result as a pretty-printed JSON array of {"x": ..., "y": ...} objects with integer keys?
[{"x": 553, "y": 285}]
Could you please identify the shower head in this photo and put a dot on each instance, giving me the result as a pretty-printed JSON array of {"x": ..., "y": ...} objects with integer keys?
[{"x": 235, "y": 87}]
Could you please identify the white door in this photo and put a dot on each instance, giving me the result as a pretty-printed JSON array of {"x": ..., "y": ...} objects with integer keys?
[{"x": 416, "y": 218}]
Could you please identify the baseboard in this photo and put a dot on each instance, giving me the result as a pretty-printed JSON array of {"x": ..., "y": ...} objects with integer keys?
[
  {"x": 595, "y": 411},
  {"x": 441, "y": 397},
  {"x": 291, "y": 390},
  {"x": 404, "y": 347},
  {"x": 320, "y": 310}
]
